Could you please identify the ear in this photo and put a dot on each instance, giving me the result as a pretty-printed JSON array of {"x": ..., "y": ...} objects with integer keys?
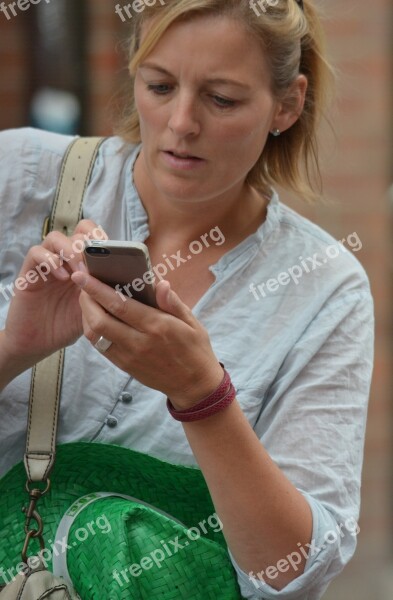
[{"x": 291, "y": 106}]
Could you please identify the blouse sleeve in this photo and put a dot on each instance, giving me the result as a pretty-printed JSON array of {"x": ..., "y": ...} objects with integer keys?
[
  {"x": 313, "y": 426},
  {"x": 30, "y": 162}
]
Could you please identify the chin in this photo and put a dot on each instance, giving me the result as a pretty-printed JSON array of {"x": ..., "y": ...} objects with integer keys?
[{"x": 183, "y": 190}]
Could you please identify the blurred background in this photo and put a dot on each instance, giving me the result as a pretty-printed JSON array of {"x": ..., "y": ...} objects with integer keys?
[{"x": 61, "y": 63}]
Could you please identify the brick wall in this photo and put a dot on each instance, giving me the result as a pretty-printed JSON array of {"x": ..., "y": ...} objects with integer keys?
[
  {"x": 106, "y": 60},
  {"x": 357, "y": 168},
  {"x": 14, "y": 64}
]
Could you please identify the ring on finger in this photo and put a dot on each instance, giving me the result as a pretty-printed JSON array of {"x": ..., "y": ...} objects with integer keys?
[{"x": 102, "y": 345}]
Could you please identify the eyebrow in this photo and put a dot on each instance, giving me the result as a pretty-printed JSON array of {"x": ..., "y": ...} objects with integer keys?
[{"x": 215, "y": 80}]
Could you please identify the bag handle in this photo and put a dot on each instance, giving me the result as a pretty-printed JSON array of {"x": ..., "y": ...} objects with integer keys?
[{"x": 47, "y": 375}]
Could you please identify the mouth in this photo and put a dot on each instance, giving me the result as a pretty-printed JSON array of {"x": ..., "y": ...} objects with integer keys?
[
  {"x": 183, "y": 161},
  {"x": 183, "y": 155}
]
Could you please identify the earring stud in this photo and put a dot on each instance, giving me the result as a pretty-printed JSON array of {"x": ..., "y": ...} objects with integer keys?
[{"x": 276, "y": 132}]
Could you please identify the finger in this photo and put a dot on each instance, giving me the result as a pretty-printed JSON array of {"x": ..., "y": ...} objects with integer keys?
[
  {"x": 170, "y": 302},
  {"x": 91, "y": 230},
  {"x": 41, "y": 264},
  {"x": 94, "y": 318},
  {"x": 131, "y": 311},
  {"x": 85, "y": 232},
  {"x": 128, "y": 310},
  {"x": 98, "y": 322},
  {"x": 69, "y": 250}
]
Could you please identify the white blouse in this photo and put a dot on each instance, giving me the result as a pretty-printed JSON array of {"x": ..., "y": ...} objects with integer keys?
[{"x": 290, "y": 315}]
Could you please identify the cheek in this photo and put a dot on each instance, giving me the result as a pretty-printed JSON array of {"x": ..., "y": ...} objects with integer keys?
[
  {"x": 146, "y": 106},
  {"x": 242, "y": 140}
]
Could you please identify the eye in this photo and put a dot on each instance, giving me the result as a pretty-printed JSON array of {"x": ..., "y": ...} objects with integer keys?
[
  {"x": 223, "y": 102},
  {"x": 158, "y": 88}
]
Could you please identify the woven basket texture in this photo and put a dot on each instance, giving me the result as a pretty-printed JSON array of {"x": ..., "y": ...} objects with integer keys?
[{"x": 102, "y": 556}]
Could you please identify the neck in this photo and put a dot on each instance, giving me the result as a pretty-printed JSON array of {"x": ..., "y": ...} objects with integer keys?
[{"x": 238, "y": 211}]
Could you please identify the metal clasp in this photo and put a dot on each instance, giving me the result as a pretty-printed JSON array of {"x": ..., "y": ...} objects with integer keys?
[
  {"x": 33, "y": 515},
  {"x": 45, "y": 228}
]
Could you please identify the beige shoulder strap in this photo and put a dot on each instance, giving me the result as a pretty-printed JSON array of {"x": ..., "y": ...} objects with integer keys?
[
  {"x": 74, "y": 177},
  {"x": 47, "y": 375}
]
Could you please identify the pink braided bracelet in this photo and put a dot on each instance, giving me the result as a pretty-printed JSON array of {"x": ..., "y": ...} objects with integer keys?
[{"x": 222, "y": 397}]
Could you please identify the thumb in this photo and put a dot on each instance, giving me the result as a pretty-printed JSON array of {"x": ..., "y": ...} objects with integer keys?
[{"x": 170, "y": 302}]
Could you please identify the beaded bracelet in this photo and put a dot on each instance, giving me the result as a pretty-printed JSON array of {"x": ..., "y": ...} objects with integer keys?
[{"x": 222, "y": 397}]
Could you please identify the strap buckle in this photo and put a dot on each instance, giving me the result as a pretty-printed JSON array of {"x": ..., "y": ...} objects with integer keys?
[{"x": 45, "y": 228}]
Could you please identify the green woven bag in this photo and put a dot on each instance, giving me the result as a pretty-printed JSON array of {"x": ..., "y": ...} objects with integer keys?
[{"x": 166, "y": 543}]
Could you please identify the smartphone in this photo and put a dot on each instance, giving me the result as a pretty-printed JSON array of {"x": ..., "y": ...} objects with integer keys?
[{"x": 125, "y": 266}]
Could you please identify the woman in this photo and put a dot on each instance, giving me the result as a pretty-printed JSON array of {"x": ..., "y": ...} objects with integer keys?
[{"x": 226, "y": 102}]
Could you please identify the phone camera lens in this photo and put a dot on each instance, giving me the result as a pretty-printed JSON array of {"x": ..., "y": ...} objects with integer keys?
[{"x": 99, "y": 251}]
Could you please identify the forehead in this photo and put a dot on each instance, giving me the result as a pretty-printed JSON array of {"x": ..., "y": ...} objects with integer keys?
[{"x": 210, "y": 44}]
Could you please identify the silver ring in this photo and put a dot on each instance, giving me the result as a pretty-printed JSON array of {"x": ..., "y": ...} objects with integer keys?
[{"x": 103, "y": 345}]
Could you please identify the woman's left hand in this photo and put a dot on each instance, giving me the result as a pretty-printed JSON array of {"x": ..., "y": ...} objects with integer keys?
[{"x": 166, "y": 349}]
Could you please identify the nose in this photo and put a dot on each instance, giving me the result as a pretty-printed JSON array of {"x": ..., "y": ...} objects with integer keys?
[{"x": 184, "y": 119}]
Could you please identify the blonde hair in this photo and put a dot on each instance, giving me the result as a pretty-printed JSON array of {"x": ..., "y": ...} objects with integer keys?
[{"x": 294, "y": 43}]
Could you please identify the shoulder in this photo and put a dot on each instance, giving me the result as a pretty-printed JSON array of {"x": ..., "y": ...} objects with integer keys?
[
  {"x": 31, "y": 159},
  {"x": 30, "y": 165},
  {"x": 311, "y": 255},
  {"x": 27, "y": 141},
  {"x": 28, "y": 145}
]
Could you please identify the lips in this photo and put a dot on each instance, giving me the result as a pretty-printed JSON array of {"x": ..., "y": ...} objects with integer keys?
[
  {"x": 180, "y": 154},
  {"x": 181, "y": 160}
]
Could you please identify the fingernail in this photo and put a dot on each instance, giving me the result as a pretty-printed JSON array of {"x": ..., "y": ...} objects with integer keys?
[
  {"x": 80, "y": 279},
  {"x": 171, "y": 297},
  {"x": 82, "y": 267},
  {"x": 63, "y": 272}
]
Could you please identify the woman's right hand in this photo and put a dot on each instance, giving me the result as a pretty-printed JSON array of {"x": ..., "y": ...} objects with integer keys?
[{"x": 44, "y": 313}]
